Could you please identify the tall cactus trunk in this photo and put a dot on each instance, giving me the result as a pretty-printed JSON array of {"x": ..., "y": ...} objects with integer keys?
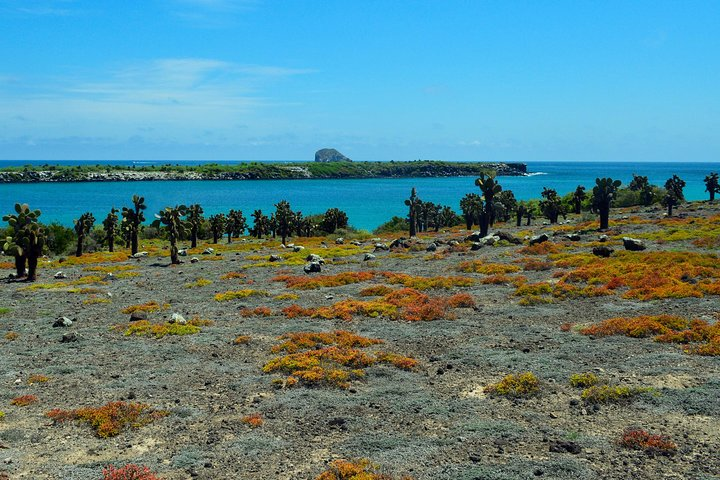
[
  {"x": 284, "y": 237},
  {"x": 111, "y": 243},
  {"x": 215, "y": 236},
  {"x": 468, "y": 221},
  {"x": 134, "y": 242},
  {"x": 32, "y": 268},
  {"x": 79, "y": 249},
  {"x": 193, "y": 240},
  {"x": 670, "y": 207},
  {"x": 484, "y": 221},
  {"x": 20, "y": 261},
  {"x": 604, "y": 217},
  {"x": 229, "y": 237},
  {"x": 578, "y": 206},
  {"x": 174, "y": 258},
  {"x": 712, "y": 195},
  {"x": 518, "y": 217},
  {"x": 413, "y": 223}
]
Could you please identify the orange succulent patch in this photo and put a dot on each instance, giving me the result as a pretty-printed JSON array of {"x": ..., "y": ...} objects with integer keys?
[
  {"x": 320, "y": 281},
  {"x": 638, "y": 439},
  {"x": 648, "y": 275},
  {"x": 698, "y": 336},
  {"x": 256, "y": 312},
  {"x": 254, "y": 420},
  {"x": 331, "y": 359},
  {"x": 358, "y": 470},
  {"x": 426, "y": 283},
  {"x": 110, "y": 419},
  {"x": 24, "y": 400}
]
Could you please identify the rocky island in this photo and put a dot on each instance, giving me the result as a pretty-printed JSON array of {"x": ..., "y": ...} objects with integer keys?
[{"x": 327, "y": 167}]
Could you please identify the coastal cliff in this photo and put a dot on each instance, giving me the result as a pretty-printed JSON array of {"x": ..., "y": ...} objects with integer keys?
[{"x": 257, "y": 171}]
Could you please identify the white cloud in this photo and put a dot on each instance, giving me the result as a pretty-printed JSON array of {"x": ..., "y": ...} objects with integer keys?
[{"x": 177, "y": 98}]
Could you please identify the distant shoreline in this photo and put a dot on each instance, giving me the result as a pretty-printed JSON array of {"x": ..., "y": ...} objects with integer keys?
[{"x": 255, "y": 171}]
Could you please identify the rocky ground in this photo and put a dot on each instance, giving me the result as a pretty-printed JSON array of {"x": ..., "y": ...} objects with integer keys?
[{"x": 435, "y": 420}]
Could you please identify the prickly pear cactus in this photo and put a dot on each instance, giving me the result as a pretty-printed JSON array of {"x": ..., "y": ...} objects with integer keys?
[
  {"x": 172, "y": 218},
  {"x": 27, "y": 241}
]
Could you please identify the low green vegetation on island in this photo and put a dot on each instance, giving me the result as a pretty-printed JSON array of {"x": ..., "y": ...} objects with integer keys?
[{"x": 255, "y": 171}]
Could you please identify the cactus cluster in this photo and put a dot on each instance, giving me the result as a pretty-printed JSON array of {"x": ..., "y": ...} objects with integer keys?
[
  {"x": 172, "y": 218},
  {"x": 604, "y": 193},
  {"x": 27, "y": 241},
  {"x": 132, "y": 218},
  {"x": 83, "y": 225}
]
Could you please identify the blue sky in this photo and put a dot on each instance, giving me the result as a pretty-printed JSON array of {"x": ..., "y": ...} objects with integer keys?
[{"x": 378, "y": 80}]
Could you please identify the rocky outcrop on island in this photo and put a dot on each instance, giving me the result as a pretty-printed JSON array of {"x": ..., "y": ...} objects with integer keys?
[{"x": 330, "y": 155}]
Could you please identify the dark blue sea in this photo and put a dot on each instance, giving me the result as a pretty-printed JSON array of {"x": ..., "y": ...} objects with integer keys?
[{"x": 368, "y": 202}]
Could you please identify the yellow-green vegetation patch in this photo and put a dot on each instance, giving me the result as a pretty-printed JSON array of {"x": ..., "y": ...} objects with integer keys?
[
  {"x": 200, "y": 282},
  {"x": 478, "y": 266},
  {"x": 235, "y": 294},
  {"x": 148, "y": 307},
  {"x": 96, "y": 300},
  {"x": 515, "y": 385},
  {"x": 87, "y": 280},
  {"x": 287, "y": 296},
  {"x": 144, "y": 328},
  {"x": 612, "y": 393},
  {"x": 110, "y": 268},
  {"x": 584, "y": 380},
  {"x": 4, "y": 310}
]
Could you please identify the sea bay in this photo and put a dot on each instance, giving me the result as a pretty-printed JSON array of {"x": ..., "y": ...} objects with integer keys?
[{"x": 368, "y": 202}]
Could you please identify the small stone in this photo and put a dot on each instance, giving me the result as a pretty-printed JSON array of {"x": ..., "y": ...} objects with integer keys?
[
  {"x": 368, "y": 257},
  {"x": 194, "y": 260},
  {"x": 538, "y": 239},
  {"x": 431, "y": 248},
  {"x": 208, "y": 251},
  {"x": 177, "y": 318},
  {"x": 274, "y": 258},
  {"x": 603, "y": 238},
  {"x": 602, "y": 251},
  {"x": 138, "y": 315},
  {"x": 381, "y": 246},
  {"x": 69, "y": 337},
  {"x": 139, "y": 255},
  {"x": 183, "y": 252},
  {"x": 298, "y": 248},
  {"x": 59, "y": 276},
  {"x": 339, "y": 241},
  {"x": 573, "y": 237},
  {"x": 62, "y": 322},
  {"x": 476, "y": 246}
]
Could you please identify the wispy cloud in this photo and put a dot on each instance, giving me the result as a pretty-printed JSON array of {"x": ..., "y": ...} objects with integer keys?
[
  {"x": 172, "y": 98},
  {"x": 209, "y": 13},
  {"x": 40, "y": 7}
]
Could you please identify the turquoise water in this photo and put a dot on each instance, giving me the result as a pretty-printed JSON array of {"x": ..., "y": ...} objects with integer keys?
[{"x": 368, "y": 202}]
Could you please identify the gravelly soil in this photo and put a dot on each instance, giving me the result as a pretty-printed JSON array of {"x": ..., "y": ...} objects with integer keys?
[{"x": 435, "y": 422}]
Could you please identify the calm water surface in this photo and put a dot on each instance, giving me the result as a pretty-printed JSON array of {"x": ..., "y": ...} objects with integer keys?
[{"x": 368, "y": 202}]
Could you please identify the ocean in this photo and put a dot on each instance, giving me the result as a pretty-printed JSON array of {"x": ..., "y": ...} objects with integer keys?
[{"x": 368, "y": 202}]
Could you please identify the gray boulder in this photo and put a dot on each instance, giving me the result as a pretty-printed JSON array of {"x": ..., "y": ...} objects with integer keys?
[
  {"x": 602, "y": 251},
  {"x": 298, "y": 248},
  {"x": 508, "y": 238},
  {"x": 538, "y": 239},
  {"x": 633, "y": 244},
  {"x": 315, "y": 258},
  {"x": 476, "y": 246},
  {"x": 573, "y": 237},
  {"x": 431, "y": 248},
  {"x": 138, "y": 315},
  {"x": 274, "y": 258},
  {"x": 312, "y": 267},
  {"x": 208, "y": 251},
  {"x": 381, "y": 246},
  {"x": 62, "y": 322},
  {"x": 368, "y": 257},
  {"x": 339, "y": 241},
  {"x": 177, "y": 318},
  {"x": 59, "y": 276},
  {"x": 489, "y": 240},
  {"x": 194, "y": 260},
  {"x": 139, "y": 255}
]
